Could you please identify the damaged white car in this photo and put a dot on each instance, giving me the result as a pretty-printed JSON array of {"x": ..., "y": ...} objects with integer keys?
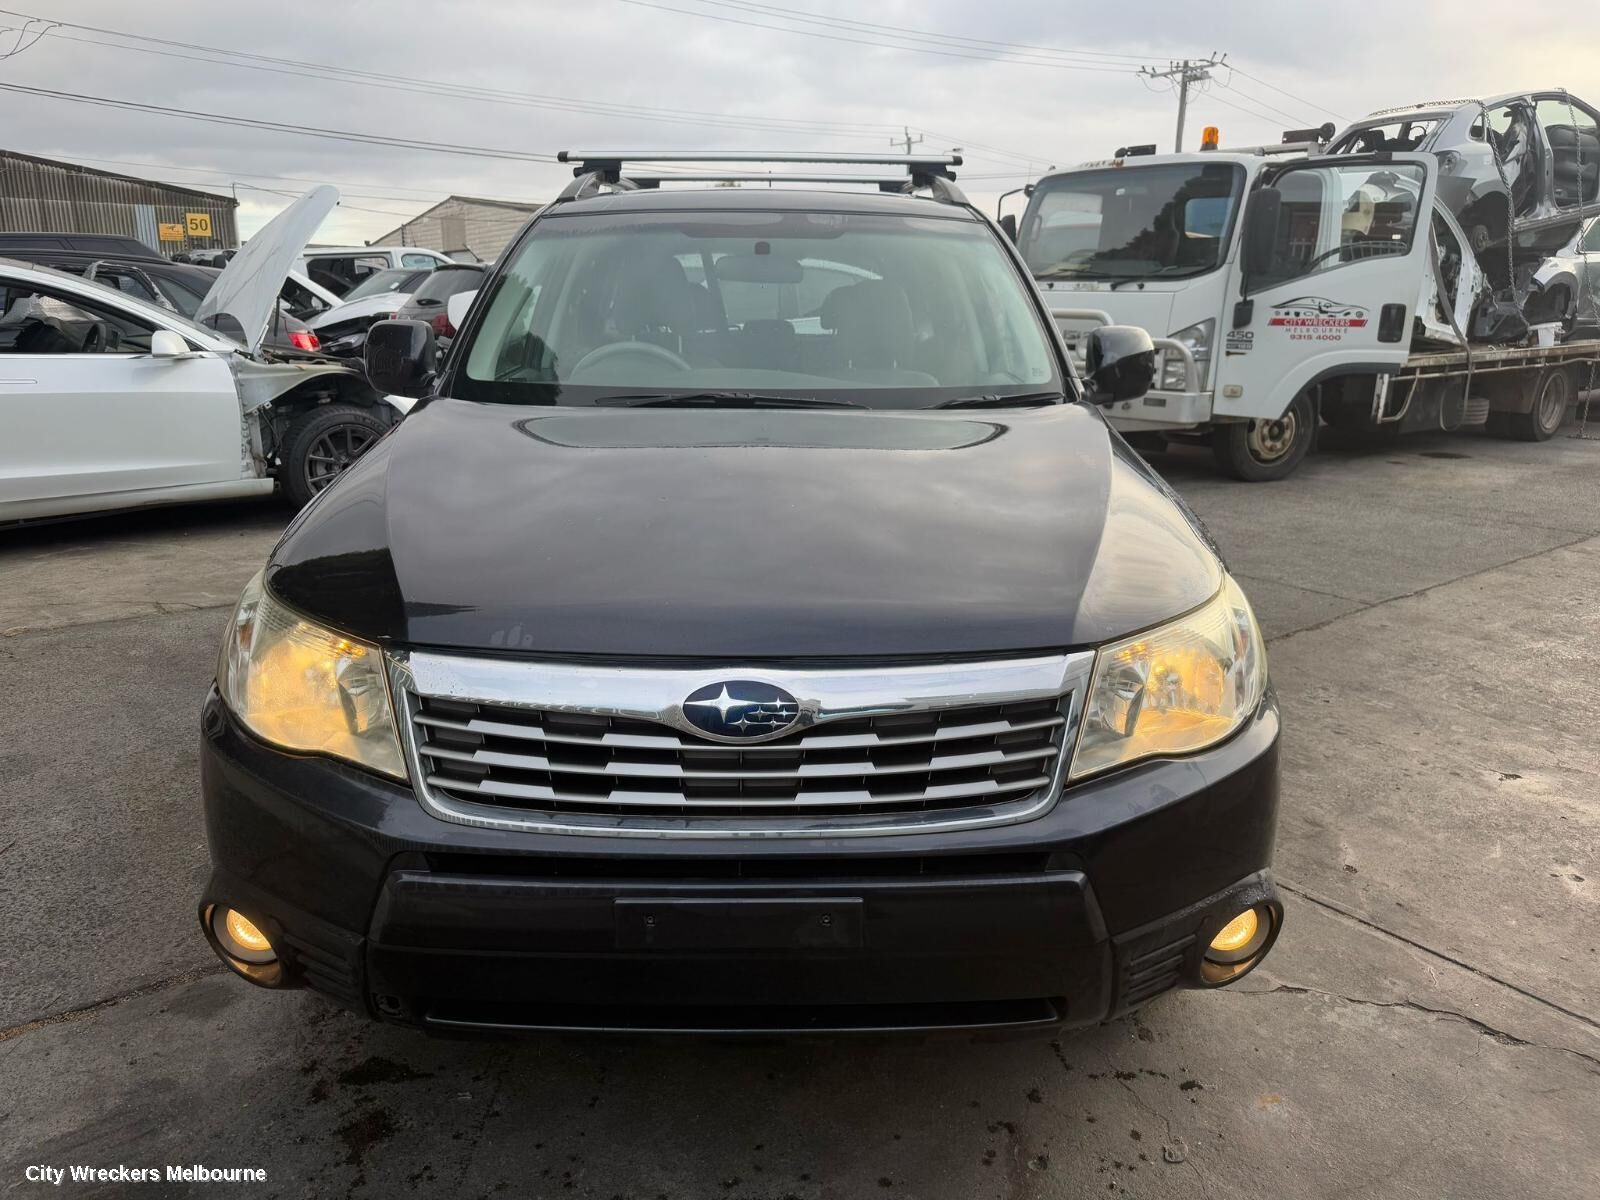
[{"x": 107, "y": 402}]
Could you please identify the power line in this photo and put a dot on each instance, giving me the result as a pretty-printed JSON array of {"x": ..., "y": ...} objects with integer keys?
[
  {"x": 1025, "y": 62},
  {"x": 1317, "y": 107},
  {"x": 901, "y": 31},
  {"x": 1298, "y": 118},
  {"x": 313, "y": 70}
]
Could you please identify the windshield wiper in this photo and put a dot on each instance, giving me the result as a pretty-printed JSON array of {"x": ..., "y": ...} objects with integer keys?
[
  {"x": 997, "y": 401},
  {"x": 720, "y": 400}
]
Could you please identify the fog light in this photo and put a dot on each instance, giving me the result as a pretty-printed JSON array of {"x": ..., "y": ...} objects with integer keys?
[
  {"x": 1231, "y": 938},
  {"x": 242, "y": 937}
]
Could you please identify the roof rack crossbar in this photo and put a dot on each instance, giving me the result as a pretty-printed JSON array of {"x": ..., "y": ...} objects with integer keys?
[{"x": 596, "y": 169}]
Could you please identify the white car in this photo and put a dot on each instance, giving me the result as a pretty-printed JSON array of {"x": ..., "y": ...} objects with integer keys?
[
  {"x": 108, "y": 402},
  {"x": 376, "y": 298},
  {"x": 340, "y": 269}
]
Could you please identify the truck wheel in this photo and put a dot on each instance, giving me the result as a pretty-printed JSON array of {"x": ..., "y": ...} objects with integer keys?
[
  {"x": 322, "y": 443},
  {"x": 1259, "y": 451},
  {"x": 1539, "y": 424}
]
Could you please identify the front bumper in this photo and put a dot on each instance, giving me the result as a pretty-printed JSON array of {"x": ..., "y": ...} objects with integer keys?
[{"x": 1086, "y": 911}]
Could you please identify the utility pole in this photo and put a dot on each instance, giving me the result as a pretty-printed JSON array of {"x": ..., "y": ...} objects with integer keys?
[
  {"x": 1188, "y": 71},
  {"x": 907, "y": 139}
]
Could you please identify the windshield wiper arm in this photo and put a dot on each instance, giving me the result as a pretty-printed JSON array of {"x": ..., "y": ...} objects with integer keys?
[
  {"x": 997, "y": 401},
  {"x": 720, "y": 400}
]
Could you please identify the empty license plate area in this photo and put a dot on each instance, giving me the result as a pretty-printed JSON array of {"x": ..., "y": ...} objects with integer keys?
[{"x": 644, "y": 923}]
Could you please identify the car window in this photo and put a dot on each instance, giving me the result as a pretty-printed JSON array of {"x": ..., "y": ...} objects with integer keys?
[
  {"x": 37, "y": 320},
  {"x": 440, "y": 285},
  {"x": 1573, "y": 137},
  {"x": 1332, "y": 216},
  {"x": 1405, "y": 134},
  {"x": 1591, "y": 240},
  {"x": 302, "y": 301},
  {"x": 883, "y": 311},
  {"x": 339, "y": 273},
  {"x": 126, "y": 282},
  {"x": 392, "y": 280},
  {"x": 418, "y": 260},
  {"x": 180, "y": 295}
]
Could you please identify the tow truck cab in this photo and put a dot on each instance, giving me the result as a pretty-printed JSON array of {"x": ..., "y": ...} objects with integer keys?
[{"x": 1273, "y": 269}]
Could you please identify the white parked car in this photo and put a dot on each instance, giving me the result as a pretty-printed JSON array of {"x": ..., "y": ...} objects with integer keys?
[
  {"x": 341, "y": 268},
  {"x": 109, "y": 402},
  {"x": 376, "y": 298}
]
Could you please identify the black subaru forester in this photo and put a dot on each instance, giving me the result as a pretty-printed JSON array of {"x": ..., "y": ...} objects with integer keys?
[{"x": 754, "y": 626}]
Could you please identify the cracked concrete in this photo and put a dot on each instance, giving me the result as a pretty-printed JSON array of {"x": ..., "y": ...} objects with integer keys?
[{"x": 1427, "y": 1025}]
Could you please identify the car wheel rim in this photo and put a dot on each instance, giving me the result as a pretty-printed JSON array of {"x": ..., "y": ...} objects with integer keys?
[
  {"x": 1271, "y": 440},
  {"x": 1553, "y": 402},
  {"x": 331, "y": 453}
]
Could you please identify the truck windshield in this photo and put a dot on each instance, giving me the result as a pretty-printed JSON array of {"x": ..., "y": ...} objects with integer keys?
[
  {"x": 874, "y": 310},
  {"x": 1167, "y": 219}
]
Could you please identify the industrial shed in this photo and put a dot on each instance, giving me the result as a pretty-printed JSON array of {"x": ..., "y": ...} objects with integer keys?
[
  {"x": 41, "y": 195},
  {"x": 463, "y": 223}
]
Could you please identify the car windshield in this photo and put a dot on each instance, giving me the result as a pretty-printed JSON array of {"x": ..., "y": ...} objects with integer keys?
[
  {"x": 380, "y": 282},
  {"x": 1166, "y": 219},
  {"x": 869, "y": 309}
]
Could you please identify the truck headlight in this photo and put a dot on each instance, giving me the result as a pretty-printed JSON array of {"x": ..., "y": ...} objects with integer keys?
[
  {"x": 300, "y": 686},
  {"x": 1175, "y": 689},
  {"x": 1197, "y": 340}
]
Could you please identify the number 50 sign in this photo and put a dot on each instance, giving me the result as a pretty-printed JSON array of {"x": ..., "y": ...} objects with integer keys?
[{"x": 198, "y": 224}]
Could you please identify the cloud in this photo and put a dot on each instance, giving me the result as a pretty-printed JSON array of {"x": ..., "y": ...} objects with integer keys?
[{"x": 590, "y": 57}]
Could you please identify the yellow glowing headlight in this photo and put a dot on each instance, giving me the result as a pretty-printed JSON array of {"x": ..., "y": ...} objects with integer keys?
[
  {"x": 303, "y": 687},
  {"x": 1176, "y": 689}
]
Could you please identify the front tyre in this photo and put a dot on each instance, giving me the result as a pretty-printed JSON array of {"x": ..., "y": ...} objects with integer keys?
[
  {"x": 1259, "y": 451},
  {"x": 321, "y": 443}
]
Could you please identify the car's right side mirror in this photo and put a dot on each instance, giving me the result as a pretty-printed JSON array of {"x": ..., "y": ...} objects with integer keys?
[
  {"x": 1120, "y": 361},
  {"x": 1009, "y": 224},
  {"x": 401, "y": 357},
  {"x": 1261, "y": 231}
]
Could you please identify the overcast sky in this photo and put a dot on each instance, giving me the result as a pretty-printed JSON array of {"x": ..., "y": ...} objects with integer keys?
[{"x": 714, "y": 57}]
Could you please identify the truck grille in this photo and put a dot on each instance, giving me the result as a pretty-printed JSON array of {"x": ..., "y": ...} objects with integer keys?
[{"x": 562, "y": 762}]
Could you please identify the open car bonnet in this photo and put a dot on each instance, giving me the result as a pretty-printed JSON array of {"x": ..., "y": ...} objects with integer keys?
[{"x": 247, "y": 290}]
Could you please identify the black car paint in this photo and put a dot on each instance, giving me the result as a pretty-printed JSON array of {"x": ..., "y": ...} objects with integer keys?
[
  {"x": 763, "y": 536},
  {"x": 759, "y": 533}
]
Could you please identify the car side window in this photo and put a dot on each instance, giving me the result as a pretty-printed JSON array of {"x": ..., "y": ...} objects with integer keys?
[
  {"x": 35, "y": 320},
  {"x": 1333, "y": 216},
  {"x": 1574, "y": 139},
  {"x": 1591, "y": 240},
  {"x": 426, "y": 261}
]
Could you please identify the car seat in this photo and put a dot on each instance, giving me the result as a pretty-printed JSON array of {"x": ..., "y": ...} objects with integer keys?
[
  {"x": 1570, "y": 147},
  {"x": 873, "y": 333}
]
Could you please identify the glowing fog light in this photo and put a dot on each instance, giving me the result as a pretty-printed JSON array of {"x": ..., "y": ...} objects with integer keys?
[{"x": 242, "y": 937}]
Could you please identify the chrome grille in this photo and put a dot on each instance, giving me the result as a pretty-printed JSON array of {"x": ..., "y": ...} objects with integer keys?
[{"x": 517, "y": 744}]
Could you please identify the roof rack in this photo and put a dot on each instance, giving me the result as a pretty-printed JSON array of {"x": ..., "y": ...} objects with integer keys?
[{"x": 597, "y": 169}]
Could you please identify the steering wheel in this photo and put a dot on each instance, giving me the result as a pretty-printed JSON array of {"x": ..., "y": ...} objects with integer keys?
[
  {"x": 611, "y": 350},
  {"x": 94, "y": 338}
]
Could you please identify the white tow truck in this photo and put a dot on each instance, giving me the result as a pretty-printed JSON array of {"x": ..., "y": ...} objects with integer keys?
[{"x": 1286, "y": 288}]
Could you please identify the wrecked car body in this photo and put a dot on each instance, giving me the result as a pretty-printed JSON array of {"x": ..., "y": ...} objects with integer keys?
[
  {"x": 112, "y": 402},
  {"x": 1523, "y": 166}
]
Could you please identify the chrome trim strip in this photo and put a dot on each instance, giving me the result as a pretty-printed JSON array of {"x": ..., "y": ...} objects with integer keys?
[
  {"x": 656, "y": 694},
  {"x": 537, "y": 791}
]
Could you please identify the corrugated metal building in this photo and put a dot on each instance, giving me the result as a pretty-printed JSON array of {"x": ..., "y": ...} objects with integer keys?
[
  {"x": 41, "y": 195},
  {"x": 463, "y": 223}
]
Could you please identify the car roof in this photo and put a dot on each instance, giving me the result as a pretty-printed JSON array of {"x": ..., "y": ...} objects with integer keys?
[{"x": 759, "y": 199}]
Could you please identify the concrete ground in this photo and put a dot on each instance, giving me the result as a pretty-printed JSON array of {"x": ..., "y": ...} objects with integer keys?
[{"x": 1428, "y": 1026}]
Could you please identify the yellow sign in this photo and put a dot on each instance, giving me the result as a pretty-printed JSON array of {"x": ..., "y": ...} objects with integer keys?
[
  {"x": 170, "y": 232},
  {"x": 199, "y": 224}
]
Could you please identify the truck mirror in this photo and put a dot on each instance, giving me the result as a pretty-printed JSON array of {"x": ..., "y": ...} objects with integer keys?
[
  {"x": 401, "y": 357},
  {"x": 1261, "y": 231},
  {"x": 1009, "y": 224},
  {"x": 1121, "y": 363}
]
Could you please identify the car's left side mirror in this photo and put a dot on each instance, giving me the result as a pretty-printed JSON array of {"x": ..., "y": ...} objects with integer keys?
[
  {"x": 1120, "y": 361},
  {"x": 166, "y": 344},
  {"x": 401, "y": 357}
]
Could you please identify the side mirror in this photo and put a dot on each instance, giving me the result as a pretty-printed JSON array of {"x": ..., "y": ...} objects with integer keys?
[
  {"x": 401, "y": 357},
  {"x": 1009, "y": 224},
  {"x": 455, "y": 308},
  {"x": 1120, "y": 361},
  {"x": 1261, "y": 231},
  {"x": 166, "y": 344}
]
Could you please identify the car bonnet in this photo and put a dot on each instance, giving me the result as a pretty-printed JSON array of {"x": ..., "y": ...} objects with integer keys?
[{"x": 247, "y": 290}]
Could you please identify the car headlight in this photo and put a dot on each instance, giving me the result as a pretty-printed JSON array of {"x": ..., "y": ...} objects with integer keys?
[
  {"x": 1176, "y": 689},
  {"x": 1197, "y": 340},
  {"x": 300, "y": 686}
]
